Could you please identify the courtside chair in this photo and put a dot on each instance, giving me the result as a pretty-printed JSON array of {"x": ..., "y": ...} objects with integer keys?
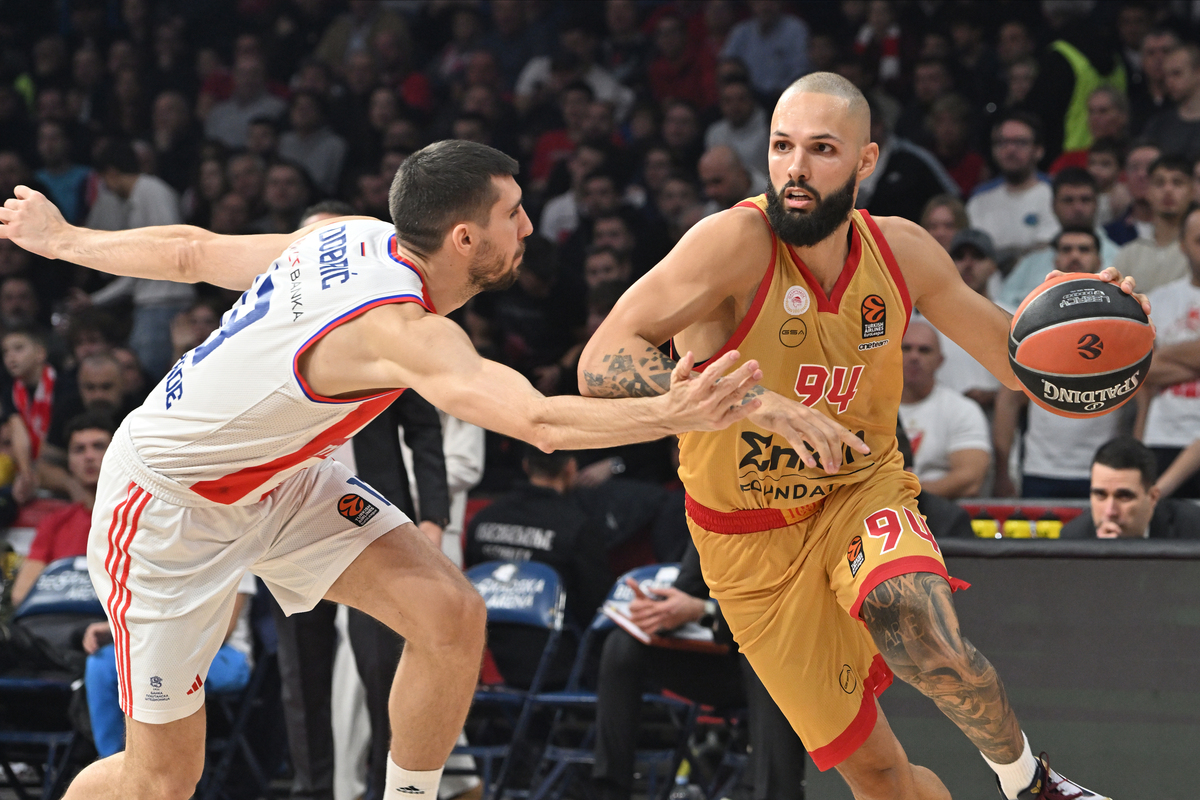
[
  {"x": 519, "y": 595},
  {"x": 570, "y": 745},
  {"x": 62, "y": 597}
]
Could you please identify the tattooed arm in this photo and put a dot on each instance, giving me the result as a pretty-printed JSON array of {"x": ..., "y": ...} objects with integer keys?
[
  {"x": 703, "y": 286},
  {"x": 912, "y": 619}
]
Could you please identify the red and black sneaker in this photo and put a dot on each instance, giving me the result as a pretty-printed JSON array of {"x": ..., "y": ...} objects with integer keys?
[{"x": 1049, "y": 785}]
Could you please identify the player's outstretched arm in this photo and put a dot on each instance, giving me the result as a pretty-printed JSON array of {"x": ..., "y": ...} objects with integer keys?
[
  {"x": 718, "y": 262},
  {"x": 401, "y": 345},
  {"x": 972, "y": 321},
  {"x": 182, "y": 253}
]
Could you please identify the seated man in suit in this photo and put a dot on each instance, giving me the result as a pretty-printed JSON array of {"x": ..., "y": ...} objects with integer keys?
[{"x": 1126, "y": 503}]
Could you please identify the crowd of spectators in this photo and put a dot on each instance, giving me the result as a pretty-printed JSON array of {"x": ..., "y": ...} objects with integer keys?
[{"x": 1023, "y": 136}]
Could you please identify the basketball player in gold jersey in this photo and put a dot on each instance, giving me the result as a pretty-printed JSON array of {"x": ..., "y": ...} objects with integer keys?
[{"x": 822, "y": 564}]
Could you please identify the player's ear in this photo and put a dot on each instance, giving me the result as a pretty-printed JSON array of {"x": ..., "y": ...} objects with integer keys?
[
  {"x": 460, "y": 238},
  {"x": 867, "y": 160}
]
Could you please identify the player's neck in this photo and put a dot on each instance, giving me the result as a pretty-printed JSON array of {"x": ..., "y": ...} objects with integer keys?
[
  {"x": 435, "y": 277},
  {"x": 826, "y": 258}
]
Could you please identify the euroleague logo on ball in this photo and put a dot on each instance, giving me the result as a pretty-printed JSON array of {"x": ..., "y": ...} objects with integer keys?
[{"x": 1090, "y": 346}]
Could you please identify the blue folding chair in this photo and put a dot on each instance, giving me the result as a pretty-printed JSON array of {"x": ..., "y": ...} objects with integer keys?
[
  {"x": 61, "y": 597},
  {"x": 523, "y": 595},
  {"x": 558, "y": 760}
]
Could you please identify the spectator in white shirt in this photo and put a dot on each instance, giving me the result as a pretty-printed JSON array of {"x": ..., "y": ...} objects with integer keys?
[
  {"x": 229, "y": 121},
  {"x": 1157, "y": 261},
  {"x": 131, "y": 199},
  {"x": 1172, "y": 392},
  {"x": 311, "y": 144},
  {"x": 743, "y": 125},
  {"x": 948, "y": 432},
  {"x": 1016, "y": 208}
]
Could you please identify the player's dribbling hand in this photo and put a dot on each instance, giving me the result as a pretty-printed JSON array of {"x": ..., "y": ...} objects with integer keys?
[
  {"x": 31, "y": 222},
  {"x": 711, "y": 400},
  {"x": 1113, "y": 275},
  {"x": 810, "y": 433}
]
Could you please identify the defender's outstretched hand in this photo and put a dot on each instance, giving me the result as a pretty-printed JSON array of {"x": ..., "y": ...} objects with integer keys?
[
  {"x": 32, "y": 222},
  {"x": 810, "y": 433},
  {"x": 712, "y": 400}
]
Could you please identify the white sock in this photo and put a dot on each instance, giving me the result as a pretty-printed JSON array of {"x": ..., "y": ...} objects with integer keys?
[
  {"x": 407, "y": 783},
  {"x": 1014, "y": 778}
]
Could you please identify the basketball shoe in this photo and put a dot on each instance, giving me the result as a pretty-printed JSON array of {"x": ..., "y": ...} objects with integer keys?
[{"x": 1049, "y": 785}]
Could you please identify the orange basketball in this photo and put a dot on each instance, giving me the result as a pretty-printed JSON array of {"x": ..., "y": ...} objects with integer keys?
[
  {"x": 1080, "y": 346},
  {"x": 351, "y": 505}
]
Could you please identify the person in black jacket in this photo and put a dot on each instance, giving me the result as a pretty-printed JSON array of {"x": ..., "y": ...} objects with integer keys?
[
  {"x": 308, "y": 641},
  {"x": 1125, "y": 501},
  {"x": 727, "y": 682}
]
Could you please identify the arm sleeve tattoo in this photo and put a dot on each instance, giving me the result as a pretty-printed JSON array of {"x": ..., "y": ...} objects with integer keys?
[{"x": 639, "y": 375}]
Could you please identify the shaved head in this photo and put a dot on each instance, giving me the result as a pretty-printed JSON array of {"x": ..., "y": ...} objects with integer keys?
[{"x": 834, "y": 85}]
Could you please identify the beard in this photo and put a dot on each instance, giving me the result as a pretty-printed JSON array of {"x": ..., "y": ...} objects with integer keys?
[
  {"x": 489, "y": 271},
  {"x": 807, "y": 228}
]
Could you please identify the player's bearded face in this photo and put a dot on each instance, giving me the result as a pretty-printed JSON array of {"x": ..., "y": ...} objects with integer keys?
[
  {"x": 801, "y": 228},
  {"x": 492, "y": 270}
]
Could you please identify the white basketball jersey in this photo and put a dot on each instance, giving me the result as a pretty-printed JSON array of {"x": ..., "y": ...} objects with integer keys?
[{"x": 233, "y": 419}]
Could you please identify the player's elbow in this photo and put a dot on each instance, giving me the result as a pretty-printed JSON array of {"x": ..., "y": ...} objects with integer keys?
[{"x": 591, "y": 362}]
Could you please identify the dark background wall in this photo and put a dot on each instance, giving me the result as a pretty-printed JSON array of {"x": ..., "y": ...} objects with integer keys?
[{"x": 1101, "y": 657}]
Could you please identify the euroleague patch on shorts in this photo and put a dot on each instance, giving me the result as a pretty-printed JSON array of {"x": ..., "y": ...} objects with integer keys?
[
  {"x": 855, "y": 555},
  {"x": 356, "y": 509}
]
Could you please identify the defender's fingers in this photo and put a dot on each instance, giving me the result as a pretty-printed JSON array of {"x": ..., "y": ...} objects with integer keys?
[
  {"x": 23, "y": 192},
  {"x": 741, "y": 380},
  {"x": 683, "y": 368},
  {"x": 715, "y": 371}
]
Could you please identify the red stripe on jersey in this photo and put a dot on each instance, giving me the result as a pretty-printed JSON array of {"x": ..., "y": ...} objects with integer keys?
[
  {"x": 230, "y": 488},
  {"x": 760, "y": 297},
  {"x": 849, "y": 267},
  {"x": 893, "y": 266}
]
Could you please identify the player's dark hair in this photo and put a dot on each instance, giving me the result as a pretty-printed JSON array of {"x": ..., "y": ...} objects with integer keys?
[
  {"x": 1026, "y": 118},
  {"x": 545, "y": 465},
  {"x": 441, "y": 185},
  {"x": 1079, "y": 229},
  {"x": 95, "y": 420},
  {"x": 1125, "y": 452},
  {"x": 1172, "y": 162},
  {"x": 1073, "y": 176},
  {"x": 117, "y": 154},
  {"x": 339, "y": 208}
]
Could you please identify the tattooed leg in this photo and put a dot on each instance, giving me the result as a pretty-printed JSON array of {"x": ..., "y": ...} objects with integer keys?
[
  {"x": 643, "y": 374},
  {"x": 913, "y": 622}
]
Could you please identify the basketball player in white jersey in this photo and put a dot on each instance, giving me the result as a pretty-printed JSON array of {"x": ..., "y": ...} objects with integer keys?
[{"x": 223, "y": 469}]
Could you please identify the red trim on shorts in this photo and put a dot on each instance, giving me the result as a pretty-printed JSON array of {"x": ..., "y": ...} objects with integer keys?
[
  {"x": 747, "y": 520},
  {"x": 228, "y": 489},
  {"x": 892, "y": 569},
  {"x": 878, "y": 679},
  {"x": 830, "y": 304},
  {"x": 760, "y": 297},
  {"x": 117, "y": 563},
  {"x": 893, "y": 266}
]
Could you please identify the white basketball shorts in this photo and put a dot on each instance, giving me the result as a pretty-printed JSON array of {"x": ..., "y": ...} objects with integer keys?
[{"x": 168, "y": 574}]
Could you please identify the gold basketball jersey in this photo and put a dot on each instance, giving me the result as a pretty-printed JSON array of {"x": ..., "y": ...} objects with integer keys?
[{"x": 838, "y": 354}]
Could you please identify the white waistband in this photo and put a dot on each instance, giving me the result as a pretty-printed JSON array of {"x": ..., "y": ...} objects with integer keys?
[{"x": 160, "y": 487}]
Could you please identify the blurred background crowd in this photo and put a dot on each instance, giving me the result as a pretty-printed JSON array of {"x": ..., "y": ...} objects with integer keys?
[{"x": 1024, "y": 136}]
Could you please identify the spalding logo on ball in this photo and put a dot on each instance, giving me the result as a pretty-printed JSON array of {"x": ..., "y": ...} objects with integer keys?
[{"x": 1080, "y": 346}]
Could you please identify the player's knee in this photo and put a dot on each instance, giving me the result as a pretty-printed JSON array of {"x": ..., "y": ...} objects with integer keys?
[
  {"x": 173, "y": 780},
  {"x": 877, "y": 782},
  {"x": 459, "y": 620}
]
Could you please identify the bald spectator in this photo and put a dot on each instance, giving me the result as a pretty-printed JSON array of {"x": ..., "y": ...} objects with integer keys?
[
  {"x": 228, "y": 122},
  {"x": 948, "y": 432},
  {"x": 101, "y": 382},
  {"x": 1177, "y": 130},
  {"x": 743, "y": 125},
  {"x": 725, "y": 179}
]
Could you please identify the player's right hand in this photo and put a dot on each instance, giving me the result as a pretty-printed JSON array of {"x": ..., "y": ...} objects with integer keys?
[
  {"x": 711, "y": 400},
  {"x": 809, "y": 432},
  {"x": 31, "y": 222}
]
